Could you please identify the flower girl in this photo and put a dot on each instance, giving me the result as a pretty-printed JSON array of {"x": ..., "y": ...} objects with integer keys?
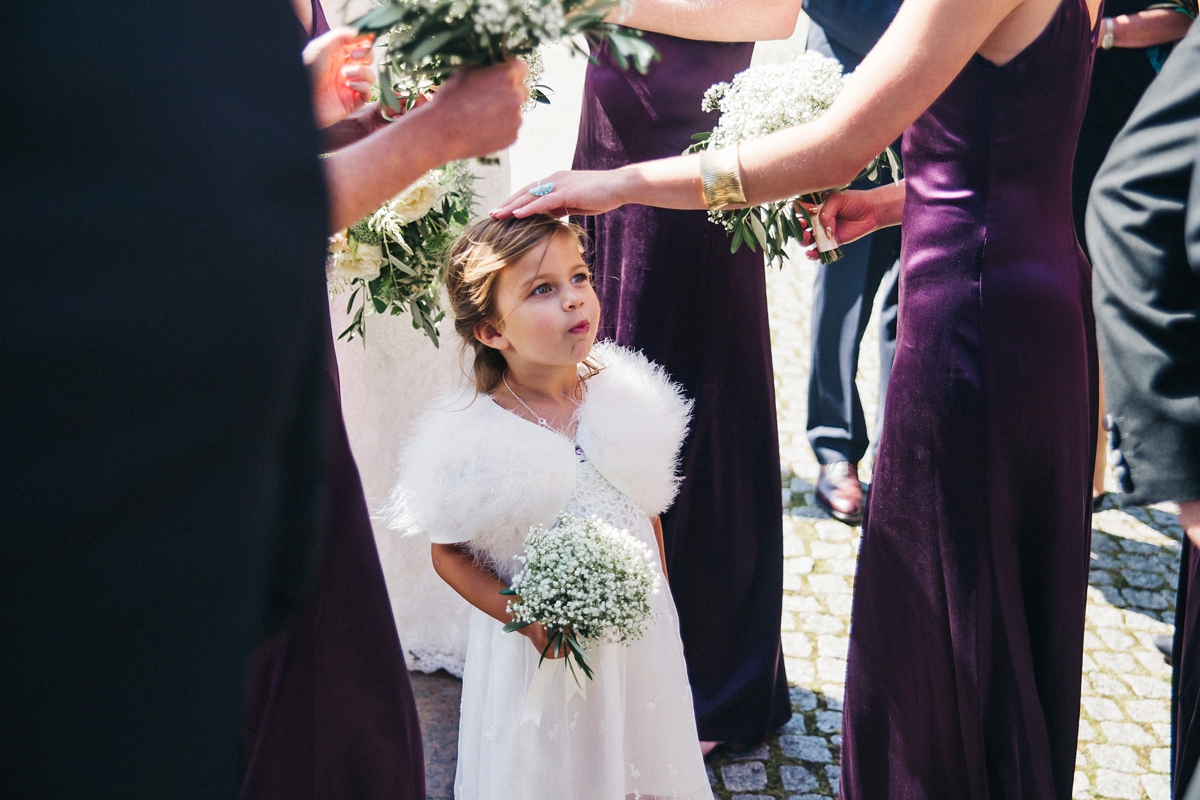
[{"x": 551, "y": 426}]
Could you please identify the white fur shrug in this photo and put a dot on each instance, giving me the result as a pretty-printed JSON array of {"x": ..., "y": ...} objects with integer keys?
[{"x": 473, "y": 472}]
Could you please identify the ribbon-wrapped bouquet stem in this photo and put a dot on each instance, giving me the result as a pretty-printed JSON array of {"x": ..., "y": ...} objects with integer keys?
[
  {"x": 587, "y": 582},
  {"x": 760, "y": 101}
]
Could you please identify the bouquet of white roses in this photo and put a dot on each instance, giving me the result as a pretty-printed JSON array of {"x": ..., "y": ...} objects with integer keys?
[
  {"x": 394, "y": 260},
  {"x": 429, "y": 39},
  {"x": 760, "y": 101},
  {"x": 586, "y": 581}
]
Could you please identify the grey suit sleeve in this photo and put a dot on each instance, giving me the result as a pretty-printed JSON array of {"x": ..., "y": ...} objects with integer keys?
[{"x": 1147, "y": 295}]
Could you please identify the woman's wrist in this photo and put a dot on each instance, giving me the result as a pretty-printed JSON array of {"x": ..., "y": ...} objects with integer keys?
[{"x": 889, "y": 204}]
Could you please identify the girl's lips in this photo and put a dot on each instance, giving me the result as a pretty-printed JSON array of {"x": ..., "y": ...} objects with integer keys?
[{"x": 581, "y": 328}]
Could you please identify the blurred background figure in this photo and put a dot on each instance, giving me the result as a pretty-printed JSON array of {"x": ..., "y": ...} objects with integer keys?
[
  {"x": 1143, "y": 227},
  {"x": 845, "y": 291},
  {"x": 1134, "y": 41}
]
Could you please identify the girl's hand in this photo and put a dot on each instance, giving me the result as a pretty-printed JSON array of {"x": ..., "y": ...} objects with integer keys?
[
  {"x": 339, "y": 67},
  {"x": 540, "y": 639},
  {"x": 573, "y": 193}
]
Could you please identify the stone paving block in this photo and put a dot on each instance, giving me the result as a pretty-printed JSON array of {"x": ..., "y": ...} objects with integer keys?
[
  {"x": 833, "y": 646},
  {"x": 1145, "y": 686},
  {"x": 792, "y": 583},
  {"x": 797, "y": 645},
  {"x": 1116, "y": 662},
  {"x": 833, "y": 696},
  {"x": 797, "y": 779},
  {"x": 745, "y": 777},
  {"x": 793, "y": 546},
  {"x": 799, "y": 566},
  {"x": 1090, "y": 640},
  {"x": 787, "y": 622},
  {"x": 1115, "y": 639},
  {"x": 1086, "y": 732},
  {"x": 832, "y": 531},
  {"x": 831, "y": 669},
  {"x": 823, "y": 623},
  {"x": 829, "y": 584},
  {"x": 1153, "y": 662},
  {"x": 1163, "y": 731},
  {"x": 1105, "y": 616},
  {"x": 813, "y": 749},
  {"x": 1160, "y": 760},
  {"x": 1143, "y": 580},
  {"x": 1148, "y": 711},
  {"x": 829, "y": 722},
  {"x": 1118, "y": 785},
  {"x": 840, "y": 604},
  {"x": 796, "y": 724},
  {"x": 1141, "y": 598},
  {"x": 1158, "y": 787},
  {"x": 842, "y": 566},
  {"x": 1107, "y": 685},
  {"x": 804, "y": 699},
  {"x": 811, "y": 512},
  {"x": 1099, "y": 577},
  {"x": 800, "y": 604},
  {"x": 824, "y": 550},
  {"x": 712, "y": 776},
  {"x": 759, "y": 753},
  {"x": 1105, "y": 561},
  {"x": 1089, "y": 663},
  {"x": 1131, "y": 546},
  {"x": 1114, "y": 757},
  {"x": 1126, "y": 733},
  {"x": 753, "y": 797},
  {"x": 1082, "y": 786},
  {"x": 799, "y": 670},
  {"x": 834, "y": 774}
]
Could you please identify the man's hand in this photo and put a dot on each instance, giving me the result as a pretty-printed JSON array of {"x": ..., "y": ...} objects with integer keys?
[
  {"x": 478, "y": 111},
  {"x": 339, "y": 67}
]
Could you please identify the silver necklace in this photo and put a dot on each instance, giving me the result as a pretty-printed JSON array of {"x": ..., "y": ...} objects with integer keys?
[{"x": 541, "y": 421}]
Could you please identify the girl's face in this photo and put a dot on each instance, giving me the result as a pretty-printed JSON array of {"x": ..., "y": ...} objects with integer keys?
[{"x": 547, "y": 308}]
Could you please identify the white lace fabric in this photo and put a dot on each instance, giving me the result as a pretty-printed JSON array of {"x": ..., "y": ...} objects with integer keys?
[{"x": 633, "y": 737}]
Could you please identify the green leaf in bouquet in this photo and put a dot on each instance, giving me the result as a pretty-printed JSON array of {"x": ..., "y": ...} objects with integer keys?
[
  {"x": 381, "y": 19},
  {"x": 400, "y": 265},
  {"x": 435, "y": 43},
  {"x": 539, "y": 95},
  {"x": 379, "y": 304},
  {"x": 628, "y": 47},
  {"x": 760, "y": 233},
  {"x": 387, "y": 92},
  {"x": 515, "y": 625},
  {"x": 508, "y": 591},
  {"x": 353, "y": 295},
  {"x": 738, "y": 235}
]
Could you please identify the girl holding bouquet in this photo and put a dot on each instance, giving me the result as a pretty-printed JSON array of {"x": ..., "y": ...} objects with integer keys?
[{"x": 552, "y": 426}]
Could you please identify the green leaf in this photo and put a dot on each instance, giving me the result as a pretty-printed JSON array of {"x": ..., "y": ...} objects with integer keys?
[
  {"x": 737, "y": 238},
  {"x": 515, "y": 625},
  {"x": 760, "y": 232},
  {"x": 508, "y": 590},
  {"x": 387, "y": 91}
]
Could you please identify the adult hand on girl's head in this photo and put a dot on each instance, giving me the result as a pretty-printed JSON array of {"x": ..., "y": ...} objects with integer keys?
[
  {"x": 846, "y": 216},
  {"x": 572, "y": 193},
  {"x": 478, "y": 111},
  {"x": 339, "y": 67}
]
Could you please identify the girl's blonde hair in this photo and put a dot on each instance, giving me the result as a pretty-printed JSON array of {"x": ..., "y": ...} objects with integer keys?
[{"x": 476, "y": 259}]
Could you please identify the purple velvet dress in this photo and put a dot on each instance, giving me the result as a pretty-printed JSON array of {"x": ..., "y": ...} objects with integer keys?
[
  {"x": 668, "y": 286},
  {"x": 330, "y": 711},
  {"x": 967, "y": 638}
]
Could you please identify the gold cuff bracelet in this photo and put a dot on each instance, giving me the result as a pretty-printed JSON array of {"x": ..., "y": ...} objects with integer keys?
[{"x": 721, "y": 177}]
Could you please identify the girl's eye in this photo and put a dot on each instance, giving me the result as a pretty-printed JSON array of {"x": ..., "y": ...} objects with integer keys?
[
  {"x": 582, "y": 277},
  {"x": 542, "y": 289}
]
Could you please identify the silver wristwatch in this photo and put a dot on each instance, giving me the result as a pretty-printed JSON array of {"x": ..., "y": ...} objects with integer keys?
[{"x": 1106, "y": 41}]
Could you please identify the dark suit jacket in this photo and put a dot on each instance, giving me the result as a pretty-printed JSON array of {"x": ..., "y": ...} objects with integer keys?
[
  {"x": 1143, "y": 226},
  {"x": 852, "y": 26},
  {"x": 162, "y": 225}
]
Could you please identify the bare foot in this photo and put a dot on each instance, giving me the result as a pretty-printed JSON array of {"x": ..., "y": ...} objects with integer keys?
[{"x": 708, "y": 747}]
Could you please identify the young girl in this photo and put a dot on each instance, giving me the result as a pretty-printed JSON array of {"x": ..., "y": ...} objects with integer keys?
[{"x": 551, "y": 425}]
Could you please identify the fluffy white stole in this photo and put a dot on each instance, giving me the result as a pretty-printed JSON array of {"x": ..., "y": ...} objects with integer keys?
[{"x": 473, "y": 472}]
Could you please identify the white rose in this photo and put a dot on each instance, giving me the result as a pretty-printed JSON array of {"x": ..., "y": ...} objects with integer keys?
[
  {"x": 338, "y": 243},
  {"x": 363, "y": 262},
  {"x": 416, "y": 201}
]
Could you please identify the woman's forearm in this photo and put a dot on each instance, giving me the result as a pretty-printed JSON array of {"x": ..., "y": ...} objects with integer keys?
[
  {"x": 713, "y": 20},
  {"x": 478, "y": 586},
  {"x": 889, "y": 204},
  {"x": 1150, "y": 27},
  {"x": 357, "y": 126}
]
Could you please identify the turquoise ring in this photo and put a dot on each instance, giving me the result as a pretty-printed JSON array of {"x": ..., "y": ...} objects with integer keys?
[{"x": 542, "y": 189}]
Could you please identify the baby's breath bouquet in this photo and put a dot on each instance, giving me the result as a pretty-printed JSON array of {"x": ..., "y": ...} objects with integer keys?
[
  {"x": 762, "y": 100},
  {"x": 429, "y": 39},
  {"x": 586, "y": 581},
  {"x": 394, "y": 260}
]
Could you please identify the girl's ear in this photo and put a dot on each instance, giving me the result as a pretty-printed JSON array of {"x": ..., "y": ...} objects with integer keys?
[{"x": 486, "y": 333}]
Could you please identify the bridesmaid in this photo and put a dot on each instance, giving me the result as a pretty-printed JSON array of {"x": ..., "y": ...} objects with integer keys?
[
  {"x": 670, "y": 288},
  {"x": 965, "y": 654}
]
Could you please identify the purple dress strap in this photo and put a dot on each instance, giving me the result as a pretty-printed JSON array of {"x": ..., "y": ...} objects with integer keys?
[{"x": 330, "y": 710}]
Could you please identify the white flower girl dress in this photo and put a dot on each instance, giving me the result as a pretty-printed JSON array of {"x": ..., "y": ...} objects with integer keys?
[{"x": 475, "y": 473}]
